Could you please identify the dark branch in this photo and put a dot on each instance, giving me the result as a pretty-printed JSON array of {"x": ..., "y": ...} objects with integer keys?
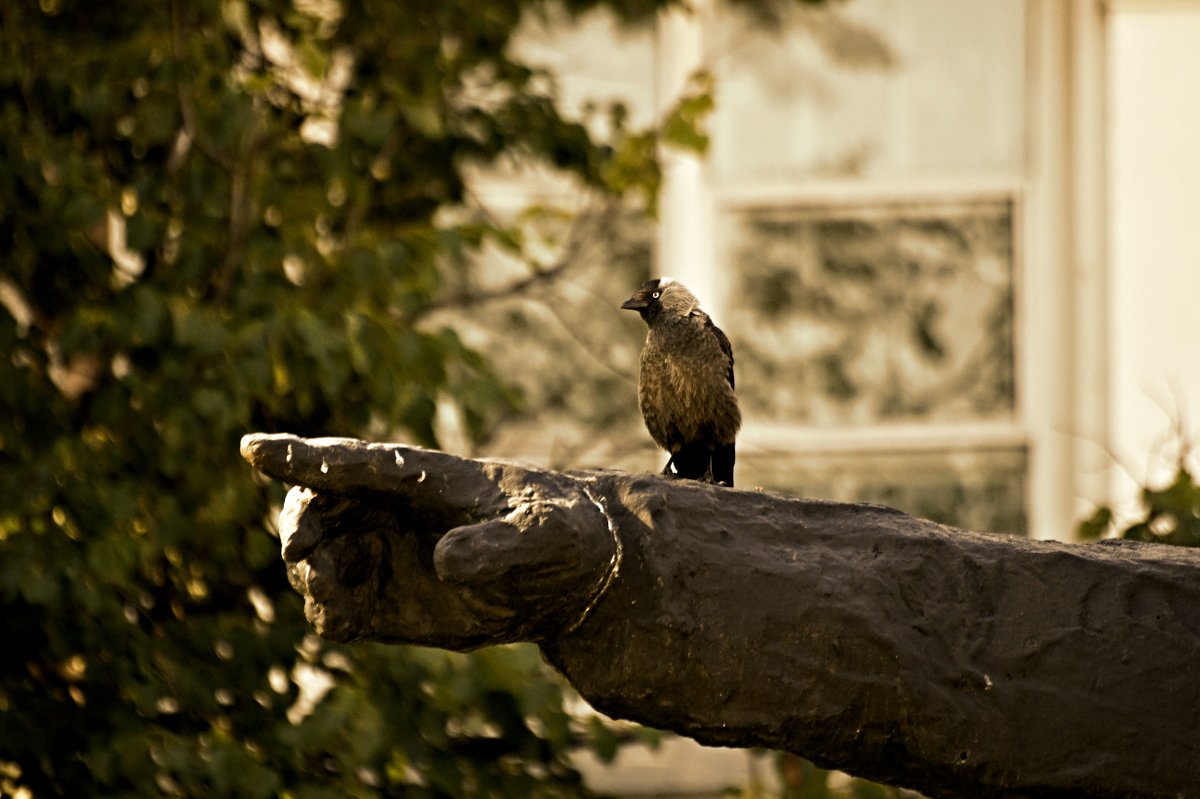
[
  {"x": 187, "y": 105},
  {"x": 586, "y": 229}
]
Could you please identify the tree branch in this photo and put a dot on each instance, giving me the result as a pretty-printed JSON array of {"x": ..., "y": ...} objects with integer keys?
[
  {"x": 241, "y": 204},
  {"x": 187, "y": 105},
  {"x": 539, "y": 275}
]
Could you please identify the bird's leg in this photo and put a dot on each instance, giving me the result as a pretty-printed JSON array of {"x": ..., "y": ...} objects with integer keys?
[{"x": 667, "y": 469}]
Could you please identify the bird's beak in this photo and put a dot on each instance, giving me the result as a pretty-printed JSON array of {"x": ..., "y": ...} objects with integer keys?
[{"x": 634, "y": 303}]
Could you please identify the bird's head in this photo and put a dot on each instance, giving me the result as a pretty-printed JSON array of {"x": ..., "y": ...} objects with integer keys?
[{"x": 659, "y": 297}]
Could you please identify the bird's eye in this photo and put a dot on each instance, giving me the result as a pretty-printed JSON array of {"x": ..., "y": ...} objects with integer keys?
[{"x": 655, "y": 294}]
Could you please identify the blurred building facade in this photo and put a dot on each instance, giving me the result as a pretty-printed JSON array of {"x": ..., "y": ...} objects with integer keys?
[{"x": 956, "y": 243}]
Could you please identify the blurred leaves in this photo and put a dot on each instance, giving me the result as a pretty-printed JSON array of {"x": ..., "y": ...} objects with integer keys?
[
  {"x": 1169, "y": 514},
  {"x": 634, "y": 165},
  {"x": 224, "y": 216}
]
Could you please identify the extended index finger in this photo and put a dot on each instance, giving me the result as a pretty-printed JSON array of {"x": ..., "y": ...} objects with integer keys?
[{"x": 430, "y": 480}]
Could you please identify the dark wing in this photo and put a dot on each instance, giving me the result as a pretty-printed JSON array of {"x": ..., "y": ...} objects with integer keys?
[{"x": 726, "y": 347}]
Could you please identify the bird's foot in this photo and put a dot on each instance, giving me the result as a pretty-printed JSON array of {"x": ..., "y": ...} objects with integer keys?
[{"x": 711, "y": 479}]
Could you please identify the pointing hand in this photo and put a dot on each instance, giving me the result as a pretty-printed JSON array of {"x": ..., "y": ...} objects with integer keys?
[{"x": 462, "y": 553}]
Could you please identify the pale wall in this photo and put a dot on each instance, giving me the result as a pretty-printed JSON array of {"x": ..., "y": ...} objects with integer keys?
[{"x": 1154, "y": 230}]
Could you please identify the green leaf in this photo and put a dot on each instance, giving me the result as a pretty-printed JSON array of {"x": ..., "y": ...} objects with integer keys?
[
  {"x": 683, "y": 127},
  {"x": 314, "y": 60},
  {"x": 1096, "y": 525}
]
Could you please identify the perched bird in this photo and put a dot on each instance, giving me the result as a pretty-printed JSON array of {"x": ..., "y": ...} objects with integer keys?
[{"x": 685, "y": 386}]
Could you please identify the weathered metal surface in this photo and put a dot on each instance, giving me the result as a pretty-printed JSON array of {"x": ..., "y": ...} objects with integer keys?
[{"x": 956, "y": 663}]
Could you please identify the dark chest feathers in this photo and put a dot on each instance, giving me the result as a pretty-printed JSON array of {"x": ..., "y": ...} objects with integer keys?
[{"x": 685, "y": 388}]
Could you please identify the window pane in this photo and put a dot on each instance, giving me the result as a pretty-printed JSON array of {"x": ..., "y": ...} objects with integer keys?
[
  {"x": 943, "y": 95},
  {"x": 981, "y": 490},
  {"x": 860, "y": 315}
]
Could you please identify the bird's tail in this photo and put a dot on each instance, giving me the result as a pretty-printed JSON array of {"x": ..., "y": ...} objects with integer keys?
[
  {"x": 692, "y": 461},
  {"x": 696, "y": 461}
]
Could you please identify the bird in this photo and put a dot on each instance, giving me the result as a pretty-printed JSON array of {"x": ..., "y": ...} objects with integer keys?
[{"x": 685, "y": 383}]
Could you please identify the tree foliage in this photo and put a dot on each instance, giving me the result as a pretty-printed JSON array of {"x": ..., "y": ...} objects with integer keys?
[
  {"x": 1170, "y": 513},
  {"x": 221, "y": 216}
]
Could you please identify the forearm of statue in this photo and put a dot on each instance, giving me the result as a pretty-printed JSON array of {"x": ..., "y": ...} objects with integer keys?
[{"x": 854, "y": 635}]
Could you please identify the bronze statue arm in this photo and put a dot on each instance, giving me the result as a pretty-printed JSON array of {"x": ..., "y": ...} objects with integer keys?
[{"x": 956, "y": 663}]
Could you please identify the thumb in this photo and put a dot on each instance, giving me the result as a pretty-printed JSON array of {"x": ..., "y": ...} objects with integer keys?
[
  {"x": 479, "y": 553},
  {"x": 548, "y": 560}
]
